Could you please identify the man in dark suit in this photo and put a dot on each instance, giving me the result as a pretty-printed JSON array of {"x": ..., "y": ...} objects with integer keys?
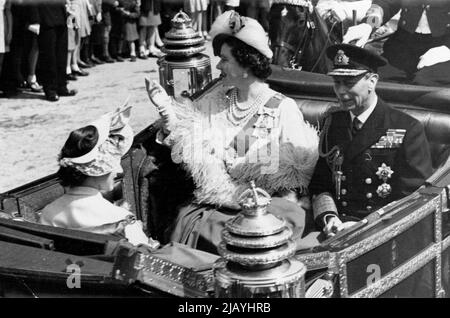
[
  {"x": 419, "y": 51},
  {"x": 370, "y": 153},
  {"x": 48, "y": 18}
]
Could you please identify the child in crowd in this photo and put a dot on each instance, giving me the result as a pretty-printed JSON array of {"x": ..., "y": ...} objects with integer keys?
[
  {"x": 130, "y": 11},
  {"x": 149, "y": 39}
]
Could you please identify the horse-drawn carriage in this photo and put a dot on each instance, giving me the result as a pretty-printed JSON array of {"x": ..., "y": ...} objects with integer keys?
[{"x": 402, "y": 249}]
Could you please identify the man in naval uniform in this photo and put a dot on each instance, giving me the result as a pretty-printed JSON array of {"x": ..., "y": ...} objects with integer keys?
[
  {"x": 370, "y": 153},
  {"x": 419, "y": 51}
]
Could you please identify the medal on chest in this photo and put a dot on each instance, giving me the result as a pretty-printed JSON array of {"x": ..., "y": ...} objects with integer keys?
[{"x": 384, "y": 173}]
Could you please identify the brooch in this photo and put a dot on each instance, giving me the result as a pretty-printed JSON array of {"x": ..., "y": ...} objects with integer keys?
[{"x": 384, "y": 173}]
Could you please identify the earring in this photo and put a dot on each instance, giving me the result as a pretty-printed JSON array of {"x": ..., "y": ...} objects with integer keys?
[{"x": 245, "y": 75}]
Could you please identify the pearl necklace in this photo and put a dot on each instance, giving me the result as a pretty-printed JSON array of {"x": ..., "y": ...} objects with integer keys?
[{"x": 238, "y": 114}]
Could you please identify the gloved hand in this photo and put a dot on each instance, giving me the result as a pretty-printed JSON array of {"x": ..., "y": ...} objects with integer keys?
[
  {"x": 162, "y": 102},
  {"x": 360, "y": 33},
  {"x": 333, "y": 225},
  {"x": 433, "y": 56}
]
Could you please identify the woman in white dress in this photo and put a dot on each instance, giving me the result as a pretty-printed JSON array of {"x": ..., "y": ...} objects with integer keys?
[
  {"x": 89, "y": 163},
  {"x": 238, "y": 131}
]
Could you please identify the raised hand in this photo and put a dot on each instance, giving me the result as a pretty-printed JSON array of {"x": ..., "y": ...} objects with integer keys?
[{"x": 162, "y": 102}]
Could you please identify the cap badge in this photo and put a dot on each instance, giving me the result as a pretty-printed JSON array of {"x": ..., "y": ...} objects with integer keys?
[
  {"x": 236, "y": 23},
  {"x": 341, "y": 59}
]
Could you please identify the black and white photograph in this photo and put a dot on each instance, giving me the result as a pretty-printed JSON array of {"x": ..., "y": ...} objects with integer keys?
[{"x": 224, "y": 153}]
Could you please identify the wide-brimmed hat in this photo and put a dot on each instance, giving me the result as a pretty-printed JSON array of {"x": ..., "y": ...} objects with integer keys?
[
  {"x": 248, "y": 30},
  {"x": 350, "y": 60},
  {"x": 115, "y": 138}
]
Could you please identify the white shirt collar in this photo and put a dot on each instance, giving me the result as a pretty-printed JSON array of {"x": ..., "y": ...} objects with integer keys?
[{"x": 365, "y": 115}]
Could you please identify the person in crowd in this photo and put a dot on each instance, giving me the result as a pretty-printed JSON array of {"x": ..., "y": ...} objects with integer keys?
[
  {"x": 5, "y": 29},
  {"x": 370, "y": 153},
  {"x": 12, "y": 77},
  {"x": 116, "y": 33},
  {"x": 88, "y": 164},
  {"x": 97, "y": 32},
  {"x": 85, "y": 30},
  {"x": 31, "y": 37},
  {"x": 149, "y": 39},
  {"x": 106, "y": 25},
  {"x": 130, "y": 10},
  {"x": 197, "y": 10},
  {"x": 239, "y": 130},
  {"x": 73, "y": 38},
  {"x": 419, "y": 51},
  {"x": 50, "y": 18}
]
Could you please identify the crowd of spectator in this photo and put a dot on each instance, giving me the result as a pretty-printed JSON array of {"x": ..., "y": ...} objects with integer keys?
[{"x": 46, "y": 44}]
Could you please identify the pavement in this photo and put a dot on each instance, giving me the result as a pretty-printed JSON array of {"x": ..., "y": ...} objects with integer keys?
[{"x": 33, "y": 130}]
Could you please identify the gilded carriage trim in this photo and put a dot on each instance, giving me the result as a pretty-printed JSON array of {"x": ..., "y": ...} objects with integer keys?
[
  {"x": 388, "y": 233},
  {"x": 438, "y": 239},
  {"x": 314, "y": 261},
  {"x": 128, "y": 189},
  {"x": 342, "y": 267},
  {"x": 438, "y": 219},
  {"x": 399, "y": 274},
  {"x": 173, "y": 278},
  {"x": 438, "y": 268}
]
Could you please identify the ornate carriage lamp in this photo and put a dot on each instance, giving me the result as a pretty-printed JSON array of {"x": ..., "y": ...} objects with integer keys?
[
  {"x": 257, "y": 254},
  {"x": 184, "y": 70}
]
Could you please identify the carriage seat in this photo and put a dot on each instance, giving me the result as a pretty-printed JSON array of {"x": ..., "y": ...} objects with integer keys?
[{"x": 436, "y": 124}]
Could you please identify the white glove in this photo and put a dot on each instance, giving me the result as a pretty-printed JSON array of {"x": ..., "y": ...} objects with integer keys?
[
  {"x": 35, "y": 28},
  {"x": 360, "y": 32},
  {"x": 433, "y": 56},
  {"x": 162, "y": 102},
  {"x": 335, "y": 225}
]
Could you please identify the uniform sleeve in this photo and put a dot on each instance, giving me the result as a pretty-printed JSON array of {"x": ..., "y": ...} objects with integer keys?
[
  {"x": 321, "y": 189},
  {"x": 418, "y": 167}
]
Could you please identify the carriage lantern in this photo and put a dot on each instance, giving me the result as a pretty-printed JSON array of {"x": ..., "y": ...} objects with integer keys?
[
  {"x": 257, "y": 254},
  {"x": 183, "y": 70}
]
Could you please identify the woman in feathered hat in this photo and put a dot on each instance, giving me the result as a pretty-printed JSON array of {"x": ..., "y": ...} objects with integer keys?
[
  {"x": 89, "y": 161},
  {"x": 239, "y": 130}
]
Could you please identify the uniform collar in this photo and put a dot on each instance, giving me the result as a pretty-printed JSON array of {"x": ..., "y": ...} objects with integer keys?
[{"x": 365, "y": 115}]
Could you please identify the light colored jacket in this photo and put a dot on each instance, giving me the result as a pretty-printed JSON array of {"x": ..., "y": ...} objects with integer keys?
[{"x": 83, "y": 208}]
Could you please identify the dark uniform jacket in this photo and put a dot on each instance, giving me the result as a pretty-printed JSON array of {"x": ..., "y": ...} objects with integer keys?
[
  {"x": 389, "y": 140},
  {"x": 438, "y": 14}
]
